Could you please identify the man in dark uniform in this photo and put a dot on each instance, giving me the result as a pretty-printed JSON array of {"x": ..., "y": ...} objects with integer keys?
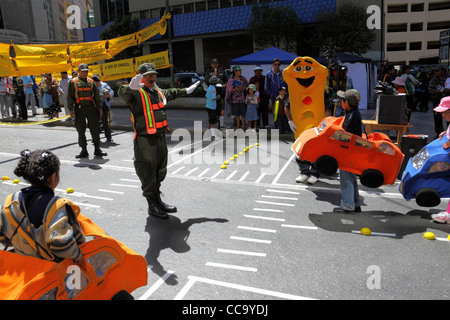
[
  {"x": 222, "y": 76},
  {"x": 17, "y": 85},
  {"x": 84, "y": 102},
  {"x": 147, "y": 106}
]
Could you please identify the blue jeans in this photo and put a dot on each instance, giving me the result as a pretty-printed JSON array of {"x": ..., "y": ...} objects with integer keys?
[{"x": 349, "y": 190}]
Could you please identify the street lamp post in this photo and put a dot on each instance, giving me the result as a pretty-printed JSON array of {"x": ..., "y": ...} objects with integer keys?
[{"x": 169, "y": 42}]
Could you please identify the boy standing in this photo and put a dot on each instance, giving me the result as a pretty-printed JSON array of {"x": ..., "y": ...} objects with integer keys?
[
  {"x": 352, "y": 124},
  {"x": 211, "y": 104}
]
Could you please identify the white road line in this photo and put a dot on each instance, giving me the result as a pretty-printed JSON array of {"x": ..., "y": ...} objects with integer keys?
[
  {"x": 185, "y": 289},
  {"x": 231, "y": 175},
  {"x": 442, "y": 239},
  {"x": 263, "y": 218},
  {"x": 80, "y": 194},
  {"x": 260, "y": 177},
  {"x": 203, "y": 172},
  {"x": 282, "y": 295},
  {"x": 244, "y": 176},
  {"x": 267, "y": 210},
  {"x": 250, "y": 239},
  {"x": 190, "y": 155},
  {"x": 86, "y": 205},
  {"x": 377, "y": 233},
  {"x": 124, "y": 185},
  {"x": 245, "y": 253},
  {"x": 176, "y": 171},
  {"x": 190, "y": 171},
  {"x": 230, "y": 266},
  {"x": 298, "y": 227},
  {"x": 257, "y": 229},
  {"x": 275, "y": 180},
  {"x": 282, "y": 191},
  {"x": 130, "y": 180},
  {"x": 216, "y": 174},
  {"x": 155, "y": 287},
  {"x": 276, "y": 203},
  {"x": 111, "y": 191},
  {"x": 278, "y": 197}
]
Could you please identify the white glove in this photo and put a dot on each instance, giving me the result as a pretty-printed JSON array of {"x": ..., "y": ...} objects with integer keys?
[
  {"x": 192, "y": 88},
  {"x": 293, "y": 126},
  {"x": 135, "y": 83}
]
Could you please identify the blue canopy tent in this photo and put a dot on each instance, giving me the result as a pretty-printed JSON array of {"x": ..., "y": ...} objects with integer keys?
[{"x": 264, "y": 59}]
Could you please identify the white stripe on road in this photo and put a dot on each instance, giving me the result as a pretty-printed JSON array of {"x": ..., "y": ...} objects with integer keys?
[
  {"x": 124, "y": 185},
  {"x": 204, "y": 171},
  {"x": 263, "y": 218},
  {"x": 216, "y": 174},
  {"x": 250, "y": 239},
  {"x": 260, "y": 177},
  {"x": 245, "y": 253},
  {"x": 275, "y": 180},
  {"x": 282, "y": 191},
  {"x": 176, "y": 171},
  {"x": 111, "y": 191},
  {"x": 267, "y": 210},
  {"x": 276, "y": 203},
  {"x": 190, "y": 171},
  {"x": 155, "y": 287},
  {"x": 230, "y": 266},
  {"x": 231, "y": 175},
  {"x": 244, "y": 176},
  {"x": 278, "y": 197},
  {"x": 298, "y": 227},
  {"x": 257, "y": 229}
]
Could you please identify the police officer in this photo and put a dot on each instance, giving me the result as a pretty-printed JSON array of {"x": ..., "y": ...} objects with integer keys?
[
  {"x": 84, "y": 102},
  {"x": 147, "y": 106}
]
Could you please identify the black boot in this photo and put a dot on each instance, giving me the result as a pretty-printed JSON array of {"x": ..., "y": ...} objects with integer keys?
[
  {"x": 83, "y": 154},
  {"x": 98, "y": 152},
  {"x": 165, "y": 207},
  {"x": 154, "y": 209}
]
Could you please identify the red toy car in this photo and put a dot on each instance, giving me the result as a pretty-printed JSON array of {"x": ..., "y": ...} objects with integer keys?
[{"x": 375, "y": 158}]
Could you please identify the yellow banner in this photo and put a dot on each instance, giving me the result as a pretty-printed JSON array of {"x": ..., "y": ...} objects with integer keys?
[
  {"x": 127, "y": 68},
  {"x": 88, "y": 52},
  {"x": 158, "y": 27},
  {"x": 117, "y": 45},
  {"x": 6, "y": 66},
  {"x": 35, "y": 59}
]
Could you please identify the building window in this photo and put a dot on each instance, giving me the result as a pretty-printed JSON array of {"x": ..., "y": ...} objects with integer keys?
[
  {"x": 416, "y": 26},
  {"x": 213, "y": 4},
  {"x": 399, "y": 46},
  {"x": 417, "y": 7},
  {"x": 188, "y": 7},
  {"x": 433, "y": 45},
  {"x": 394, "y": 8},
  {"x": 403, "y": 27},
  {"x": 441, "y": 5},
  {"x": 438, "y": 25},
  {"x": 200, "y": 6},
  {"x": 415, "y": 46},
  {"x": 177, "y": 9},
  {"x": 144, "y": 14},
  {"x": 225, "y": 3}
]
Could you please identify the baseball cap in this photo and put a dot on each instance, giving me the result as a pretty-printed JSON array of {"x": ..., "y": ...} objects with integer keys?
[
  {"x": 214, "y": 60},
  {"x": 258, "y": 68},
  {"x": 147, "y": 68},
  {"x": 96, "y": 77},
  {"x": 237, "y": 68},
  {"x": 83, "y": 67},
  {"x": 444, "y": 105},
  {"x": 252, "y": 86},
  {"x": 352, "y": 96}
]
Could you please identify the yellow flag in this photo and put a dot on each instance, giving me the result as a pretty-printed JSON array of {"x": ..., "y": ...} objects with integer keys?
[
  {"x": 36, "y": 59},
  {"x": 118, "y": 69}
]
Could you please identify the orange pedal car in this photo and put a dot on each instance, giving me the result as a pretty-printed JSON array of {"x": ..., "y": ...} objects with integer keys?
[
  {"x": 374, "y": 157},
  {"x": 109, "y": 270}
]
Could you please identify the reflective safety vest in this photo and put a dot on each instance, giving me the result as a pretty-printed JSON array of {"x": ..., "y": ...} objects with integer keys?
[
  {"x": 84, "y": 93},
  {"x": 148, "y": 109}
]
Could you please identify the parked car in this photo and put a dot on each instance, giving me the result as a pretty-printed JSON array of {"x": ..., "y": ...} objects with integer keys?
[
  {"x": 109, "y": 270},
  {"x": 427, "y": 175},
  {"x": 374, "y": 157}
]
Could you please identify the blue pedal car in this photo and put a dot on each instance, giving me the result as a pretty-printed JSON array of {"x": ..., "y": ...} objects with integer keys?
[{"x": 427, "y": 175}]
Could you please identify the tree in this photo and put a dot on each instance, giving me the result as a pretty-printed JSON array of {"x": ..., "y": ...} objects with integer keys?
[
  {"x": 344, "y": 31},
  {"x": 274, "y": 25},
  {"x": 121, "y": 28}
]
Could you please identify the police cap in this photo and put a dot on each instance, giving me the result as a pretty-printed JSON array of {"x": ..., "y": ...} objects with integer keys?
[{"x": 147, "y": 68}]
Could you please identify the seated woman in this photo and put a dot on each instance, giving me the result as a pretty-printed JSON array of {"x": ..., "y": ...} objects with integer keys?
[{"x": 34, "y": 220}]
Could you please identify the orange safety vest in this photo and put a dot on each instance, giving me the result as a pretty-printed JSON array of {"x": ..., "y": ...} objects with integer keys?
[
  {"x": 79, "y": 89},
  {"x": 151, "y": 124}
]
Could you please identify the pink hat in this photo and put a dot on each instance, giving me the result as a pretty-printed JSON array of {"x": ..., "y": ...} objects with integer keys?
[
  {"x": 444, "y": 105},
  {"x": 399, "y": 80}
]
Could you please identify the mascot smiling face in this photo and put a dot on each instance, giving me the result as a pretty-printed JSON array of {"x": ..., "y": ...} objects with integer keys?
[{"x": 307, "y": 81}]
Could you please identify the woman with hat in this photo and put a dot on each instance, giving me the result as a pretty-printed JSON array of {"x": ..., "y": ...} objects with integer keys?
[
  {"x": 235, "y": 95},
  {"x": 50, "y": 96}
]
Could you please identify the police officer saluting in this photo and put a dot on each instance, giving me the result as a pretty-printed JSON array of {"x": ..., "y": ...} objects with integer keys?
[
  {"x": 84, "y": 102},
  {"x": 147, "y": 106}
]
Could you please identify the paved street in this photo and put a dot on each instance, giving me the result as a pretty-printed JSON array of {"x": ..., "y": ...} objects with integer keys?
[{"x": 248, "y": 232}]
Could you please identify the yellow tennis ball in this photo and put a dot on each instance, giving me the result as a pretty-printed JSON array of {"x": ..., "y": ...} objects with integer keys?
[
  {"x": 69, "y": 190},
  {"x": 448, "y": 237},
  {"x": 257, "y": 144},
  {"x": 231, "y": 158},
  {"x": 235, "y": 156},
  {"x": 226, "y": 162},
  {"x": 366, "y": 231},
  {"x": 241, "y": 153},
  {"x": 250, "y": 146},
  {"x": 223, "y": 166},
  {"x": 16, "y": 181},
  {"x": 5, "y": 178},
  {"x": 429, "y": 236}
]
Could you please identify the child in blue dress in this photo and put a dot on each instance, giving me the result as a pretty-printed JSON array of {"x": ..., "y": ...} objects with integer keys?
[{"x": 252, "y": 101}]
